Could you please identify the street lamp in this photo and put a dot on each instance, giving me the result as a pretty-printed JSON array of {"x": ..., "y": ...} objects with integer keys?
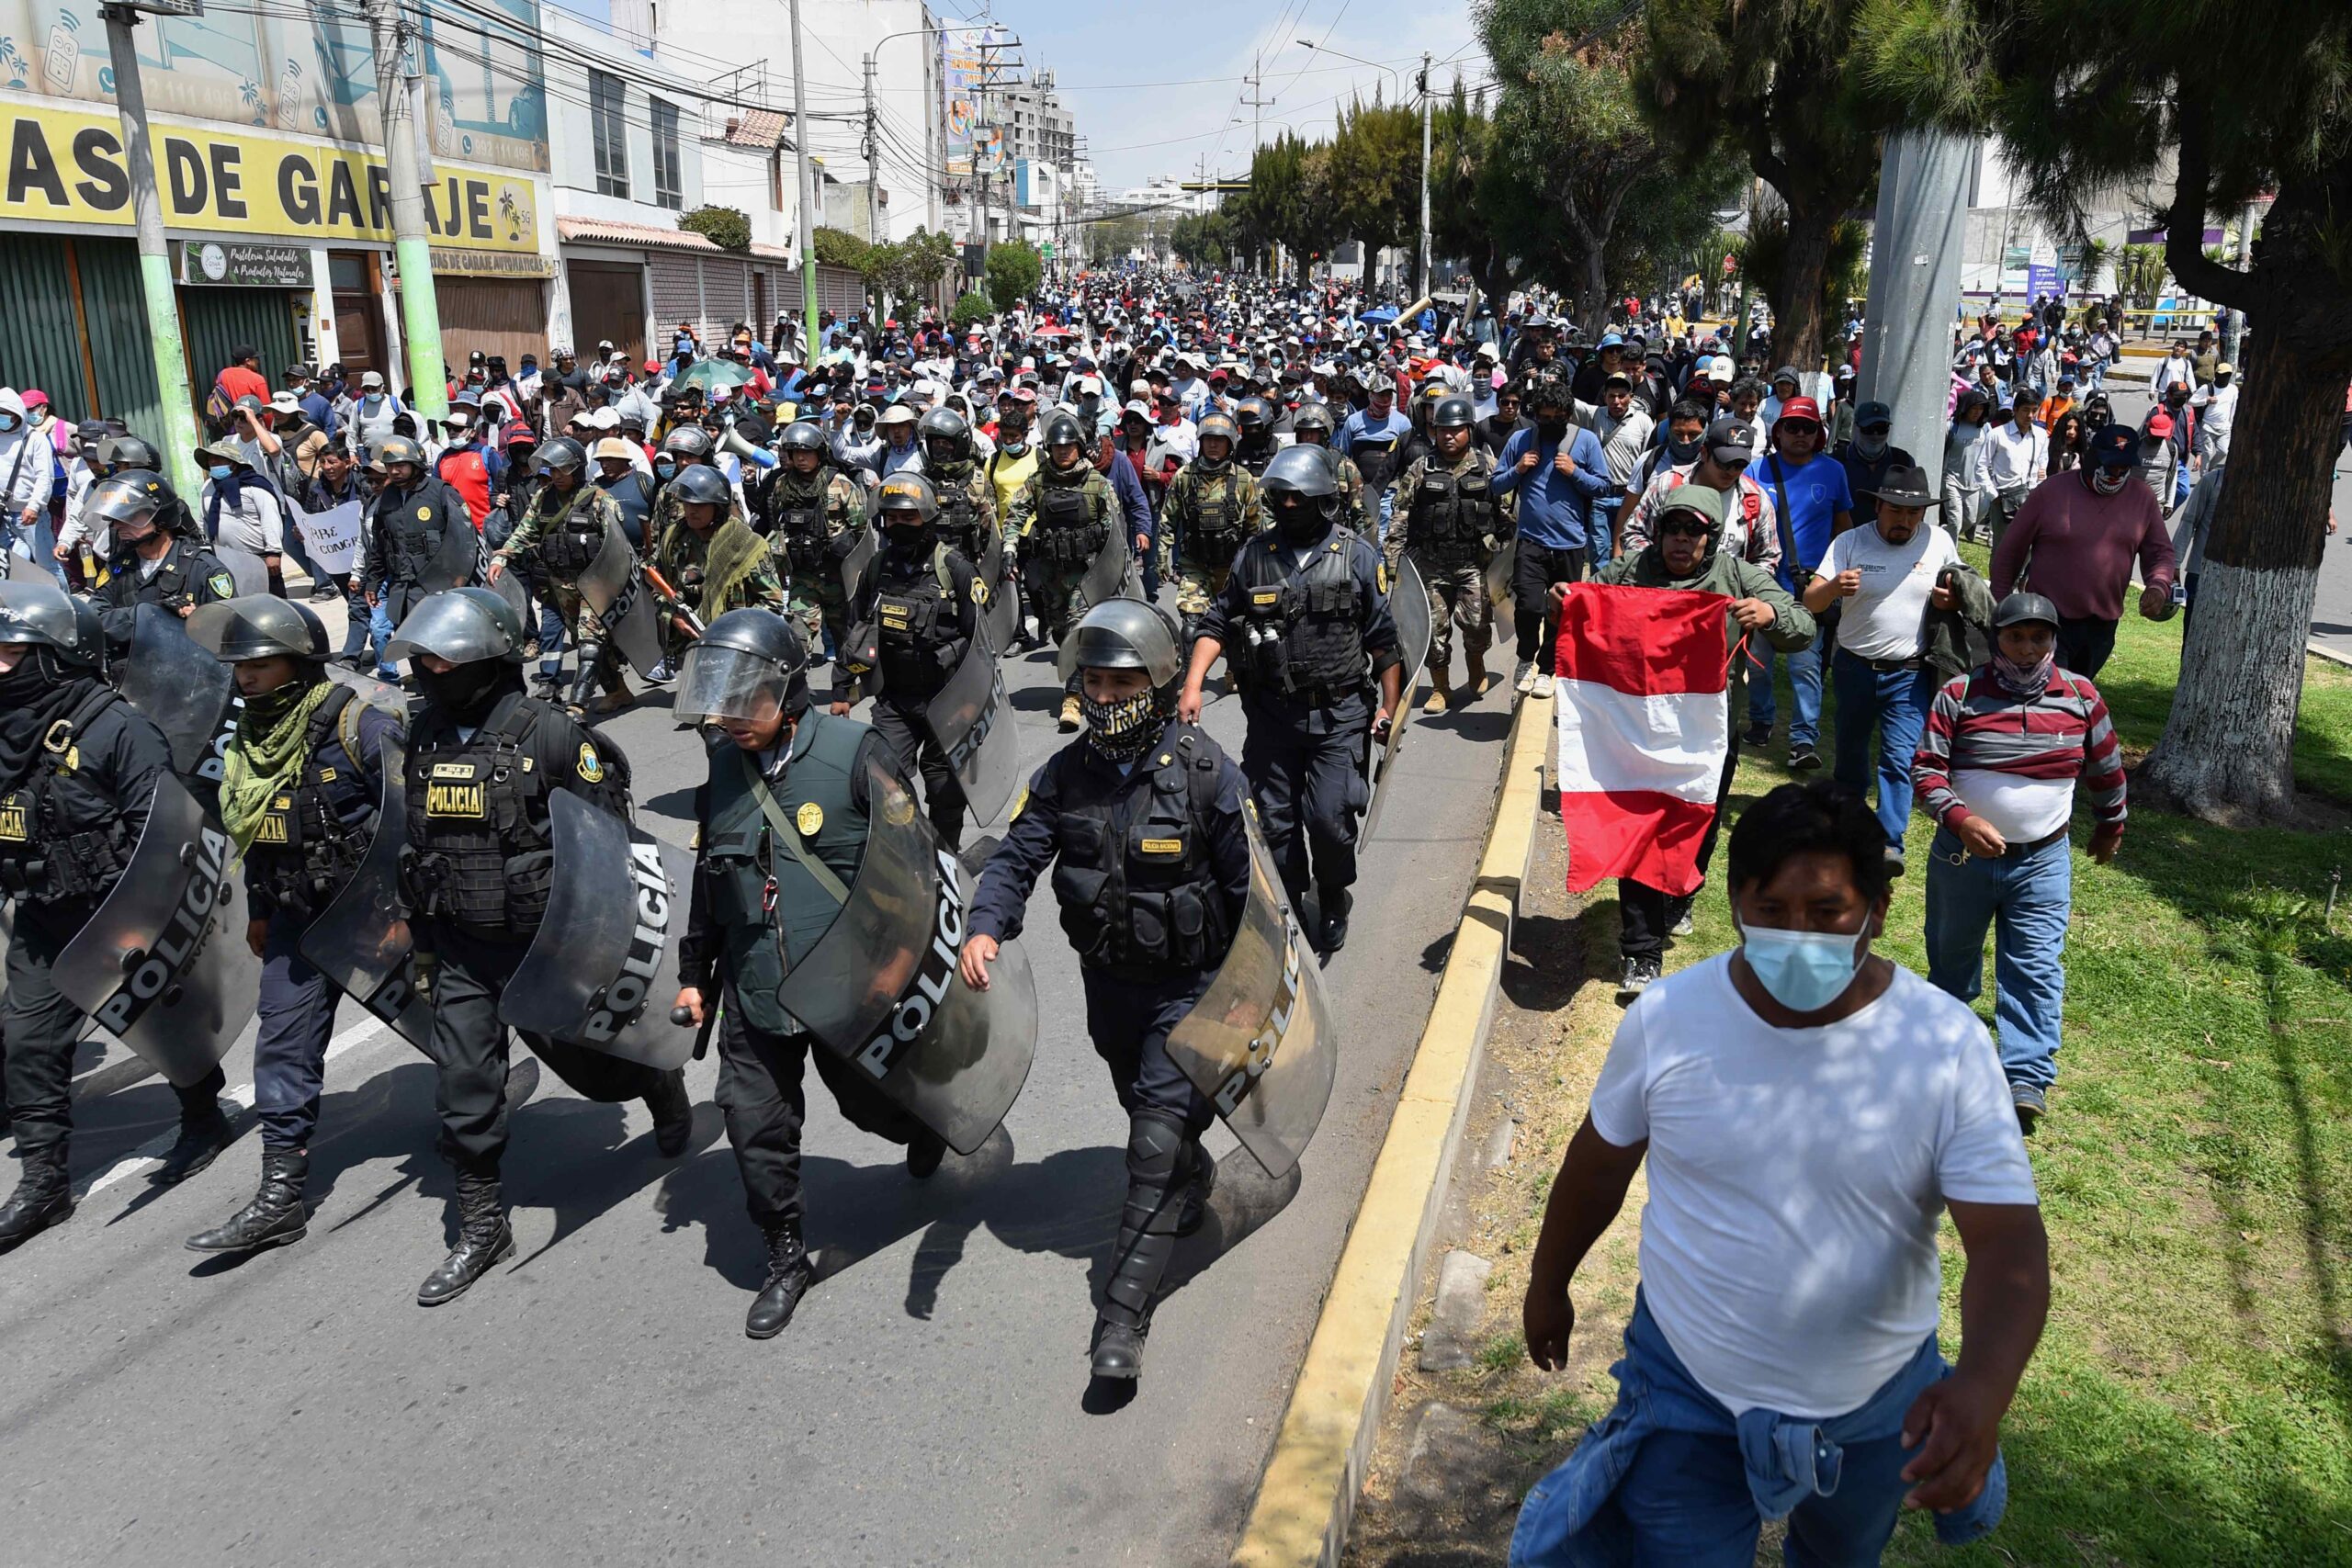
[{"x": 1395, "y": 84}]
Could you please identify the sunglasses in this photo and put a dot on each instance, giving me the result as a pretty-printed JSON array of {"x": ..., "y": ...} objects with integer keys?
[{"x": 1877, "y": 429}]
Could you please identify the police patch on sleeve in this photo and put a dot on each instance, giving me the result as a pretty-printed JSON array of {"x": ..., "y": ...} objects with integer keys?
[
  {"x": 1380, "y": 576},
  {"x": 592, "y": 766},
  {"x": 224, "y": 584}
]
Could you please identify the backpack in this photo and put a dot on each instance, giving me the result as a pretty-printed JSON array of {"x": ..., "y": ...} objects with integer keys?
[{"x": 220, "y": 408}]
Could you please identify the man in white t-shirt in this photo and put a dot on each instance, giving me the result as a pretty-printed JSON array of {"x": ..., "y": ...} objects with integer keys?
[
  {"x": 1807, "y": 1110},
  {"x": 1886, "y": 574}
]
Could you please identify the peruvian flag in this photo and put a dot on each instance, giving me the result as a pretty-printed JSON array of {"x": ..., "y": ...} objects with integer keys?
[{"x": 1645, "y": 725}]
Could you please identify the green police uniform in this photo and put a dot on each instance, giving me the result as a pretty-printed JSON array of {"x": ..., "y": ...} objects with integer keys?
[
  {"x": 565, "y": 533},
  {"x": 816, "y": 520},
  {"x": 1203, "y": 518},
  {"x": 1061, "y": 521},
  {"x": 729, "y": 569},
  {"x": 966, "y": 508},
  {"x": 1445, "y": 514}
]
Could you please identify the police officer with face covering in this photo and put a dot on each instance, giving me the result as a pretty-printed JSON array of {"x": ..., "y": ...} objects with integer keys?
[
  {"x": 923, "y": 599},
  {"x": 1306, "y": 616},
  {"x": 781, "y": 834},
  {"x": 562, "y": 535},
  {"x": 150, "y": 565},
  {"x": 78, "y": 772},
  {"x": 482, "y": 761},
  {"x": 300, "y": 790},
  {"x": 409, "y": 526},
  {"x": 1139, "y": 820}
]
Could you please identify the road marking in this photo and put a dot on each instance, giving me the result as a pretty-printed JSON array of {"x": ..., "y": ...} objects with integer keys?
[{"x": 150, "y": 1153}]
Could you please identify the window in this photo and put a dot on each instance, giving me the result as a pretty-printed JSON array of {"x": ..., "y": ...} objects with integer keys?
[
  {"x": 668, "y": 189},
  {"x": 606, "y": 94}
]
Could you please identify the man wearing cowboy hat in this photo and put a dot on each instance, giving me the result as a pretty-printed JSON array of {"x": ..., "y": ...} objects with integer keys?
[{"x": 1886, "y": 575}]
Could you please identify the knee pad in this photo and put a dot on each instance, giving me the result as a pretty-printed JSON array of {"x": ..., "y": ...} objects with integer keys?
[{"x": 1155, "y": 1147}]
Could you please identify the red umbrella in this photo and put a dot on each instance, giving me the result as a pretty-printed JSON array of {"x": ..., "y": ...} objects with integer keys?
[{"x": 1051, "y": 329}]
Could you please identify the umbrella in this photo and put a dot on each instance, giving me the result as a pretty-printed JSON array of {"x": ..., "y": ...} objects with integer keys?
[
  {"x": 1051, "y": 329},
  {"x": 714, "y": 376},
  {"x": 1379, "y": 315}
]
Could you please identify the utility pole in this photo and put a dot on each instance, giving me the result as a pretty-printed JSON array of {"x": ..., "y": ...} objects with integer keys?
[
  {"x": 428, "y": 385},
  {"x": 1257, "y": 100},
  {"x": 1427, "y": 288},
  {"x": 155, "y": 257},
  {"x": 807, "y": 193},
  {"x": 873, "y": 162},
  {"x": 1915, "y": 279},
  {"x": 2234, "y": 325}
]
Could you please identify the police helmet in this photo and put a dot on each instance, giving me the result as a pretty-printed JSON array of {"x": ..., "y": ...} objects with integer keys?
[
  {"x": 562, "y": 455},
  {"x": 1299, "y": 471},
  {"x": 743, "y": 661},
  {"x": 1061, "y": 430},
  {"x": 1123, "y": 634},
  {"x": 130, "y": 452},
  {"x": 1454, "y": 412},
  {"x": 803, "y": 435},
  {"x": 463, "y": 625},
  {"x": 945, "y": 425},
  {"x": 401, "y": 449},
  {"x": 258, "y": 625},
  {"x": 129, "y": 499},
  {"x": 43, "y": 615},
  {"x": 690, "y": 442},
  {"x": 904, "y": 492},
  {"x": 1311, "y": 416},
  {"x": 1254, "y": 415},
  {"x": 701, "y": 486},
  {"x": 1218, "y": 425}
]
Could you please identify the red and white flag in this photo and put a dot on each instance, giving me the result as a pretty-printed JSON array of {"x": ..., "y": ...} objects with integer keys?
[{"x": 1645, "y": 725}]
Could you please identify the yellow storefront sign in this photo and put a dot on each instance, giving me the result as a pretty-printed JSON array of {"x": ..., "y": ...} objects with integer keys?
[{"x": 66, "y": 165}]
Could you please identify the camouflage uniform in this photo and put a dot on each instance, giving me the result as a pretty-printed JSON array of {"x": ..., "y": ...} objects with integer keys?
[
  {"x": 1350, "y": 483},
  {"x": 818, "y": 520},
  {"x": 561, "y": 537},
  {"x": 954, "y": 481},
  {"x": 1054, "y": 557},
  {"x": 1453, "y": 562},
  {"x": 681, "y": 559},
  {"x": 1200, "y": 557}
]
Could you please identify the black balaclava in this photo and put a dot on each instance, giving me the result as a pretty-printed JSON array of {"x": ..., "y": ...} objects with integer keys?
[{"x": 469, "y": 691}]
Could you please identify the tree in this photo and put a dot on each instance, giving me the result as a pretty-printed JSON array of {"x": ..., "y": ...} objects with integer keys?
[
  {"x": 1765, "y": 259},
  {"x": 2211, "y": 104},
  {"x": 1014, "y": 270},
  {"x": 909, "y": 268},
  {"x": 1778, "y": 82},
  {"x": 971, "y": 311},
  {"x": 1109, "y": 239},
  {"x": 2139, "y": 275},
  {"x": 1373, "y": 175},
  {"x": 726, "y": 227},
  {"x": 1201, "y": 240},
  {"x": 838, "y": 247}
]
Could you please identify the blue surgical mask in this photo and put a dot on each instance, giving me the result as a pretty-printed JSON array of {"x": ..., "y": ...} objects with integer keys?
[
  {"x": 219, "y": 470},
  {"x": 1804, "y": 971}
]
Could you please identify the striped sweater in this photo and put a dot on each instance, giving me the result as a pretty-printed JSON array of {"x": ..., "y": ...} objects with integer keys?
[{"x": 1975, "y": 725}]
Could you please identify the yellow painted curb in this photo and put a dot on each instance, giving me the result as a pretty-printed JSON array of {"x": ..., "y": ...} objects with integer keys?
[{"x": 1308, "y": 1491}]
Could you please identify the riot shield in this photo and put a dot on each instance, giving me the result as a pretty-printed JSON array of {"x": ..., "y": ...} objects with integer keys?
[
  {"x": 1260, "y": 1040},
  {"x": 613, "y": 586},
  {"x": 1409, "y": 605},
  {"x": 458, "y": 560},
  {"x": 23, "y": 569},
  {"x": 973, "y": 723},
  {"x": 1002, "y": 613},
  {"x": 249, "y": 571},
  {"x": 510, "y": 588},
  {"x": 190, "y": 694},
  {"x": 1107, "y": 577},
  {"x": 853, "y": 563},
  {"x": 163, "y": 964},
  {"x": 368, "y": 689},
  {"x": 604, "y": 967},
  {"x": 880, "y": 988},
  {"x": 1499, "y": 573},
  {"x": 359, "y": 942}
]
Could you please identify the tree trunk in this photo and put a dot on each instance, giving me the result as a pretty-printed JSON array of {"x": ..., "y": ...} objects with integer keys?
[
  {"x": 2228, "y": 749},
  {"x": 1796, "y": 293},
  {"x": 1592, "y": 288}
]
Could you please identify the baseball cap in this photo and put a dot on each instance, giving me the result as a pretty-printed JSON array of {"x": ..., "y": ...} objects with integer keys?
[
  {"x": 2160, "y": 425},
  {"x": 371, "y": 378},
  {"x": 1720, "y": 368},
  {"x": 1616, "y": 379},
  {"x": 1873, "y": 413},
  {"x": 1707, "y": 502},
  {"x": 2114, "y": 446},
  {"x": 2225, "y": 368},
  {"x": 1731, "y": 442},
  {"x": 1611, "y": 340},
  {"x": 1799, "y": 407},
  {"x": 297, "y": 373},
  {"x": 2021, "y": 607}
]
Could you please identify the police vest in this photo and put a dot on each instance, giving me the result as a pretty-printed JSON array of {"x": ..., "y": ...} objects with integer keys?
[
  {"x": 1452, "y": 513},
  {"x": 1215, "y": 530},
  {"x": 914, "y": 618},
  {"x": 1067, "y": 531},
  {"x": 959, "y": 520},
  {"x": 62, "y": 838},
  {"x": 802, "y": 518},
  {"x": 465, "y": 472},
  {"x": 409, "y": 530},
  {"x": 577, "y": 537},
  {"x": 478, "y": 851},
  {"x": 1305, "y": 632},
  {"x": 1132, "y": 872},
  {"x": 187, "y": 576},
  {"x": 313, "y": 836},
  {"x": 767, "y": 911},
  {"x": 1376, "y": 458}
]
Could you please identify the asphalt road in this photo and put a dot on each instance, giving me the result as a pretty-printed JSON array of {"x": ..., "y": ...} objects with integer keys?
[{"x": 594, "y": 1401}]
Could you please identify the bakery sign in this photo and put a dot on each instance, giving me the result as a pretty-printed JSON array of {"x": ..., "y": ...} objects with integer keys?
[
  {"x": 232, "y": 262},
  {"x": 66, "y": 167}
]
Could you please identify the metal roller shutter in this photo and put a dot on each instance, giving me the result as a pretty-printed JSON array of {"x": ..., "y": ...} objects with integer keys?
[
  {"x": 40, "y": 344},
  {"x": 215, "y": 320},
  {"x": 114, "y": 315},
  {"x": 839, "y": 290},
  {"x": 497, "y": 315},
  {"x": 677, "y": 296}
]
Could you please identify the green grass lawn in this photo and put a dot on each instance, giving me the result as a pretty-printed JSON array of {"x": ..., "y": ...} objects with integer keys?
[{"x": 2192, "y": 1403}]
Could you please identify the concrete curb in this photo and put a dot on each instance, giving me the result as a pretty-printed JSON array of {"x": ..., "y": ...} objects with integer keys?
[{"x": 1308, "y": 1491}]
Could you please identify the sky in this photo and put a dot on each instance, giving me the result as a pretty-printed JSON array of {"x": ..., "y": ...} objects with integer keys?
[{"x": 1156, "y": 88}]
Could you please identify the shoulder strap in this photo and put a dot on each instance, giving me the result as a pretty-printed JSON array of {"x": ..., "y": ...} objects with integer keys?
[{"x": 787, "y": 833}]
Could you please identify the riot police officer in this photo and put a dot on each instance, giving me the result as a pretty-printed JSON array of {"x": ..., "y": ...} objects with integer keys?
[
  {"x": 150, "y": 565},
  {"x": 1211, "y": 507},
  {"x": 1058, "y": 525},
  {"x": 419, "y": 536},
  {"x": 923, "y": 600},
  {"x": 1312, "y": 426},
  {"x": 711, "y": 558},
  {"x": 1141, "y": 822},
  {"x": 816, "y": 520},
  {"x": 1254, "y": 418},
  {"x": 684, "y": 449},
  {"x": 78, "y": 773},
  {"x": 301, "y": 791},
  {"x": 966, "y": 500},
  {"x": 1306, "y": 614},
  {"x": 562, "y": 535},
  {"x": 483, "y": 761},
  {"x": 782, "y": 827},
  {"x": 1445, "y": 514}
]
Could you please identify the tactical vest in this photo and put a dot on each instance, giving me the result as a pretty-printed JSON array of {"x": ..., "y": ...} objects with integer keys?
[
  {"x": 1303, "y": 634},
  {"x": 913, "y": 619},
  {"x": 62, "y": 837},
  {"x": 1452, "y": 513},
  {"x": 1133, "y": 873},
  {"x": 313, "y": 836},
  {"x": 766, "y": 908},
  {"x": 577, "y": 537},
  {"x": 959, "y": 520},
  {"x": 478, "y": 853},
  {"x": 185, "y": 569},
  {"x": 412, "y": 544},
  {"x": 1376, "y": 461},
  {"x": 1068, "y": 533},
  {"x": 1215, "y": 530}
]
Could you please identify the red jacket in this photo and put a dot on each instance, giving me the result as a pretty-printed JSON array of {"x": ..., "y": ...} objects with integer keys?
[{"x": 465, "y": 472}]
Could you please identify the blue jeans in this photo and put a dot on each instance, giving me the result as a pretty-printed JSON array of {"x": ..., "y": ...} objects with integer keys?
[
  {"x": 379, "y": 626},
  {"x": 1895, "y": 703},
  {"x": 1600, "y": 528},
  {"x": 2025, "y": 897},
  {"x": 1805, "y": 680}
]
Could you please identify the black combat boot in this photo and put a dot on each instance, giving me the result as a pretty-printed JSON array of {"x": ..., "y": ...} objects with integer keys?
[
  {"x": 44, "y": 1197},
  {"x": 202, "y": 1137},
  {"x": 924, "y": 1151},
  {"x": 673, "y": 1113},
  {"x": 484, "y": 1241},
  {"x": 789, "y": 1276},
  {"x": 277, "y": 1214},
  {"x": 1335, "y": 902},
  {"x": 1146, "y": 1240},
  {"x": 1197, "y": 1191}
]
